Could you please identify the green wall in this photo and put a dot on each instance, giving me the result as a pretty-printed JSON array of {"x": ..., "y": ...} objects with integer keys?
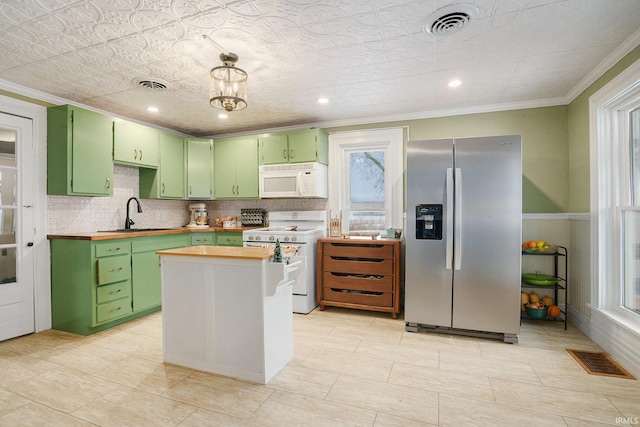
[
  {"x": 545, "y": 154},
  {"x": 578, "y": 115}
]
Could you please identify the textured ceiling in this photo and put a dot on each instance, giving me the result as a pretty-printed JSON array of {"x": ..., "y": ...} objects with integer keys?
[{"x": 371, "y": 58}]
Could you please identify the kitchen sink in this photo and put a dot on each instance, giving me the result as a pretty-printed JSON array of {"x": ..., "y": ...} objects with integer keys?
[{"x": 133, "y": 230}]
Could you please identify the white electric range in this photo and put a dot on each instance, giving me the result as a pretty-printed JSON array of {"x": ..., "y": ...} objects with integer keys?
[{"x": 298, "y": 232}]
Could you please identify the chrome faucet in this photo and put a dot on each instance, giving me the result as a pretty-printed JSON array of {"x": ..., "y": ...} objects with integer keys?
[{"x": 128, "y": 222}]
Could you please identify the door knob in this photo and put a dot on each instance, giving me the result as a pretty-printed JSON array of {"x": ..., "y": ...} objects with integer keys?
[{"x": 30, "y": 244}]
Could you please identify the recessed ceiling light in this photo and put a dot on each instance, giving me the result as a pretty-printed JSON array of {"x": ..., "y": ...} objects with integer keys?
[
  {"x": 454, "y": 83},
  {"x": 152, "y": 109},
  {"x": 222, "y": 116},
  {"x": 323, "y": 101}
]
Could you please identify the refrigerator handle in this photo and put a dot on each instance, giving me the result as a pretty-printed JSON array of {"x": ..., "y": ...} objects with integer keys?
[
  {"x": 457, "y": 221},
  {"x": 449, "y": 221}
]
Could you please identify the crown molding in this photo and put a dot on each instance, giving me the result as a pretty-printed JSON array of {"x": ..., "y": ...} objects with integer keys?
[{"x": 612, "y": 59}]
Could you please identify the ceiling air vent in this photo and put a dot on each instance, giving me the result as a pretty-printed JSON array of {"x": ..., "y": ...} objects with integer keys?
[
  {"x": 151, "y": 84},
  {"x": 450, "y": 19}
]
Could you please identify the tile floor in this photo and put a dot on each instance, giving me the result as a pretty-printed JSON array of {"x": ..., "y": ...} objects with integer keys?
[{"x": 351, "y": 368}]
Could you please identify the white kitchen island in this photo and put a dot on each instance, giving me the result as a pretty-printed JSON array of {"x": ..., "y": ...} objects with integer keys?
[{"x": 227, "y": 310}]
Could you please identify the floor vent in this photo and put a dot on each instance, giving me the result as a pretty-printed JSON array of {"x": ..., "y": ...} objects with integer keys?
[{"x": 598, "y": 363}]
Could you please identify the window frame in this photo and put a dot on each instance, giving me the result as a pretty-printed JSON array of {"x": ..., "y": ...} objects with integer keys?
[
  {"x": 610, "y": 191},
  {"x": 341, "y": 144}
]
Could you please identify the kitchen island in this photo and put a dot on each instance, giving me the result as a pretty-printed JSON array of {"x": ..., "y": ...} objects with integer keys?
[{"x": 227, "y": 310}]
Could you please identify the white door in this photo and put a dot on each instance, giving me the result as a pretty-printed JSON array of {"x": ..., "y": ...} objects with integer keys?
[{"x": 16, "y": 227}]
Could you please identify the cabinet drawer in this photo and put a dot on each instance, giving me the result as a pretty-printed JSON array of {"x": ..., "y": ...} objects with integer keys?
[
  {"x": 117, "y": 247},
  {"x": 229, "y": 239},
  {"x": 113, "y": 310},
  {"x": 366, "y": 250},
  {"x": 113, "y": 269},
  {"x": 113, "y": 292},
  {"x": 202, "y": 239},
  {"x": 358, "y": 265},
  {"x": 378, "y": 299},
  {"x": 358, "y": 282}
]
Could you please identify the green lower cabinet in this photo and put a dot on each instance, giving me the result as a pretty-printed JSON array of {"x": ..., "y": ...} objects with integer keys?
[
  {"x": 146, "y": 278},
  {"x": 228, "y": 239},
  {"x": 96, "y": 285},
  {"x": 203, "y": 238}
]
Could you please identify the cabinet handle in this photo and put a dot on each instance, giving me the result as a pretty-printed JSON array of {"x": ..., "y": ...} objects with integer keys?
[
  {"x": 237, "y": 190},
  {"x": 135, "y": 154},
  {"x": 111, "y": 270},
  {"x": 163, "y": 188},
  {"x": 284, "y": 154},
  {"x": 113, "y": 249},
  {"x": 140, "y": 155},
  {"x": 114, "y": 292},
  {"x": 292, "y": 154},
  {"x": 114, "y": 309},
  {"x": 190, "y": 190},
  {"x": 233, "y": 189},
  {"x": 108, "y": 184}
]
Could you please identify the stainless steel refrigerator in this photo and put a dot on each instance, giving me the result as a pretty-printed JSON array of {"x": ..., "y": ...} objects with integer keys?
[{"x": 464, "y": 236}]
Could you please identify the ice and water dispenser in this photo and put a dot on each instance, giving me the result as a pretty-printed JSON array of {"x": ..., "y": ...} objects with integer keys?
[{"x": 429, "y": 222}]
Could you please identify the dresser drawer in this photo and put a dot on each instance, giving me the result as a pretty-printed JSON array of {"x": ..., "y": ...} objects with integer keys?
[
  {"x": 377, "y": 299},
  {"x": 365, "y": 282},
  {"x": 203, "y": 239},
  {"x": 111, "y": 248},
  {"x": 362, "y": 250},
  {"x": 113, "y": 269},
  {"x": 113, "y": 292},
  {"x": 229, "y": 239},
  {"x": 113, "y": 310},
  {"x": 358, "y": 265}
]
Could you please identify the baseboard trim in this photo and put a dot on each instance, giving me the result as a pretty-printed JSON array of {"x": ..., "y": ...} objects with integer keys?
[{"x": 625, "y": 349}]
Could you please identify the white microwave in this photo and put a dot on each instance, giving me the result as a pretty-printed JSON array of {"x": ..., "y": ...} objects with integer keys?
[{"x": 293, "y": 180}]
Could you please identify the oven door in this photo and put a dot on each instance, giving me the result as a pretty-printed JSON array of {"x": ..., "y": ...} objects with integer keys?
[{"x": 301, "y": 286}]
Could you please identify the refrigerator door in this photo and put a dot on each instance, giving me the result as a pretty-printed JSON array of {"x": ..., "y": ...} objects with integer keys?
[
  {"x": 428, "y": 282},
  {"x": 486, "y": 290}
]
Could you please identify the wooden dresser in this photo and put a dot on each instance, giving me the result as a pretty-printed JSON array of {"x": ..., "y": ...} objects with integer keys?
[{"x": 361, "y": 274}]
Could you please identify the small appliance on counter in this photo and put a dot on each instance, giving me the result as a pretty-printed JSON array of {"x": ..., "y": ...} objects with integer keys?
[{"x": 199, "y": 216}]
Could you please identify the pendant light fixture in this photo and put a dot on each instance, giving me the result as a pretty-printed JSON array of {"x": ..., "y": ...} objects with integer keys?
[{"x": 228, "y": 89}]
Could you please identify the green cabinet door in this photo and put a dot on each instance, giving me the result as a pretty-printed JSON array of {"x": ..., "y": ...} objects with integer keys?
[
  {"x": 309, "y": 145},
  {"x": 134, "y": 144},
  {"x": 148, "y": 146},
  {"x": 224, "y": 169},
  {"x": 171, "y": 166},
  {"x": 247, "y": 169},
  {"x": 79, "y": 159},
  {"x": 146, "y": 280},
  {"x": 273, "y": 149},
  {"x": 199, "y": 168}
]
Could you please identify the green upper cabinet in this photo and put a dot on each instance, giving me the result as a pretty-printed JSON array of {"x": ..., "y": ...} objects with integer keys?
[
  {"x": 199, "y": 168},
  {"x": 168, "y": 181},
  {"x": 135, "y": 145},
  {"x": 308, "y": 145},
  {"x": 79, "y": 145},
  {"x": 235, "y": 170}
]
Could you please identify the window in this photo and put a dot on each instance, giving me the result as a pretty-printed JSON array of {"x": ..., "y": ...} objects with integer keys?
[
  {"x": 615, "y": 113},
  {"x": 366, "y": 179}
]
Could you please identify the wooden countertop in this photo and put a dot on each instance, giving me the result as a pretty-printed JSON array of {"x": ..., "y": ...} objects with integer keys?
[
  {"x": 106, "y": 235},
  {"x": 221, "y": 252}
]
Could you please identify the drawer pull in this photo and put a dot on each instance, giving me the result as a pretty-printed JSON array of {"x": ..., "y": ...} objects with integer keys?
[
  {"x": 346, "y": 258},
  {"x": 113, "y": 249},
  {"x": 111, "y": 270},
  {"x": 359, "y": 276},
  {"x": 358, "y": 245},
  {"x": 114, "y": 292},
  {"x": 114, "y": 310},
  {"x": 354, "y": 291}
]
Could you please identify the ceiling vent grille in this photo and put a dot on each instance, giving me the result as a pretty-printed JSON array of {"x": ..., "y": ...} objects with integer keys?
[
  {"x": 151, "y": 84},
  {"x": 450, "y": 19}
]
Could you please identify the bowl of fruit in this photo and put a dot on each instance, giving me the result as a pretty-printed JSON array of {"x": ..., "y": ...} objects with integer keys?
[
  {"x": 539, "y": 247},
  {"x": 536, "y": 310}
]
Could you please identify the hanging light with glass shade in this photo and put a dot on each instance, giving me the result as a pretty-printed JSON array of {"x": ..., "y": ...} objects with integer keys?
[{"x": 228, "y": 89}]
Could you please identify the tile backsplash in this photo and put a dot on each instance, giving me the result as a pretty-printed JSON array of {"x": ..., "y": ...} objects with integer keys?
[{"x": 77, "y": 214}]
